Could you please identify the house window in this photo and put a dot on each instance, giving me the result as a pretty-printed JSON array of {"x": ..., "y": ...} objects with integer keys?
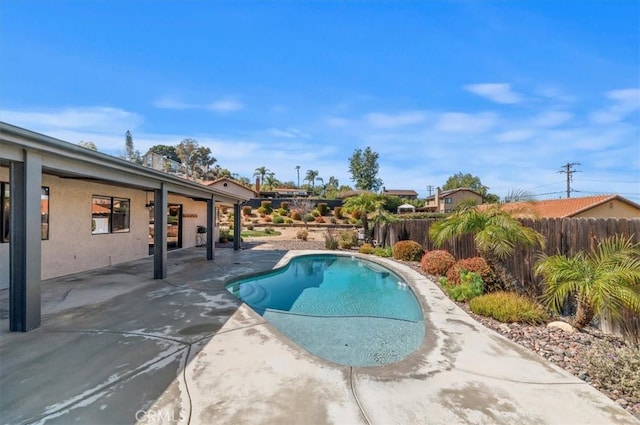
[
  {"x": 109, "y": 215},
  {"x": 447, "y": 200},
  {"x": 44, "y": 214},
  {"x": 4, "y": 212},
  {"x": 5, "y": 204}
]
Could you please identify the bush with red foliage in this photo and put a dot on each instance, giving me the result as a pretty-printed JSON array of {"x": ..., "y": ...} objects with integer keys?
[
  {"x": 407, "y": 251},
  {"x": 437, "y": 262},
  {"x": 474, "y": 264}
]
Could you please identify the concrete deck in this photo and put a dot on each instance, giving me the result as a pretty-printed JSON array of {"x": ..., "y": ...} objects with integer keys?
[{"x": 117, "y": 347}]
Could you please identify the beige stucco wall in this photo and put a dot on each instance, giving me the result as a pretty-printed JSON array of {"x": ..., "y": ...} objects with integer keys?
[
  {"x": 614, "y": 208},
  {"x": 72, "y": 248}
]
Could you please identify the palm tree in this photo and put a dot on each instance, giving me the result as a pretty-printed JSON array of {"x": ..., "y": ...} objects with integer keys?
[
  {"x": 604, "y": 282},
  {"x": 261, "y": 172},
  {"x": 496, "y": 233},
  {"x": 321, "y": 180},
  {"x": 271, "y": 180},
  {"x": 363, "y": 204},
  {"x": 311, "y": 178},
  {"x": 298, "y": 171}
]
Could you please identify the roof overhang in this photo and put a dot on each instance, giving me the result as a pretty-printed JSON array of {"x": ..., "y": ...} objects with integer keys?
[{"x": 67, "y": 160}]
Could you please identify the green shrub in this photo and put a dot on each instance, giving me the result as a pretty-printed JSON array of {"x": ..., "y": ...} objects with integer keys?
[
  {"x": 383, "y": 252},
  {"x": 262, "y": 211},
  {"x": 269, "y": 231},
  {"x": 333, "y": 220},
  {"x": 509, "y": 307},
  {"x": 295, "y": 215},
  {"x": 284, "y": 205},
  {"x": 330, "y": 240},
  {"x": 282, "y": 212},
  {"x": 437, "y": 262},
  {"x": 323, "y": 208},
  {"x": 268, "y": 207},
  {"x": 476, "y": 265},
  {"x": 365, "y": 248},
  {"x": 407, "y": 251},
  {"x": 308, "y": 217},
  {"x": 225, "y": 236},
  {"x": 302, "y": 234},
  {"x": 355, "y": 221},
  {"x": 356, "y": 214},
  {"x": 246, "y": 211},
  {"x": 470, "y": 286},
  {"x": 348, "y": 239},
  {"x": 288, "y": 221},
  {"x": 250, "y": 226},
  {"x": 315, "y": 213},
  {"x": 337, "y": 212},
  {"x": 278, "y": 219}
]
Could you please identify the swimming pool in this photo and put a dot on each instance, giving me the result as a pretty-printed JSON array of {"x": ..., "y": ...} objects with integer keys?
[{"x": 342, "y": 308}]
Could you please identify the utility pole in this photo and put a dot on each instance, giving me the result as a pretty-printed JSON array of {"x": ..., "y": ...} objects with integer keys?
[
  {"x": 430, "y": 189},
  {"x": 569, "y": 170}
]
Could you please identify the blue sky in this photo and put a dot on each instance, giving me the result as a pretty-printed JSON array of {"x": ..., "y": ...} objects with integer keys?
[{"x": 509, "y": 91}]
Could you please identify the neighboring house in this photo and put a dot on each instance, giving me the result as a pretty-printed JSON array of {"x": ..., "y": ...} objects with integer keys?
[
  {"x": 600, "y": 206},
  {"x": 448, "y": 200},
  {"x": 404, "y": 194},
  {"x": 66, "y": 209}
]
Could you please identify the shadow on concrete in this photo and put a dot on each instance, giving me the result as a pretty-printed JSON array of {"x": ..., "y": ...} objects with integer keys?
[{"x": 113, "y": 340}]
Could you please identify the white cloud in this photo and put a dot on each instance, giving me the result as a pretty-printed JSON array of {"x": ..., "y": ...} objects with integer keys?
[
  {"x": 496, "y": 92},
  {"x": 226, "y": 105},
  {"x": 459, "y": 122},
  {"x": 514, "y": 136},
  {"x": 624, "y": 102},
  {"x": 288, "y": 133},
  {"x": 221, "y": 105},
  {"x": 380, "y": 120},
  {"x": 95, "y": 118},
  {"x": 169, "y": 103},
  {"x": 551, "y": 118}
]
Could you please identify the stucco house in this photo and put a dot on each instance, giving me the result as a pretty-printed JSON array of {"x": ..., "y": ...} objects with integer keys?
[
  {"x": 448, "y": 200},
  {"x": 65, "y": 208},
  {"x": 400, "y": 193},
  {"x": 599, "y": 206}
]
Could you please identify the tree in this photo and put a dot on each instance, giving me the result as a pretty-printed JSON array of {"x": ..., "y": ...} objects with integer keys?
[
  {"x": 261, "y": 172},
  {"x": 196, "y": 159},
  {"x": 604, "y": 282},
  {"x": 467, "y": 181},
  {"x": 298, "y": 171},
  {"x": 128, "y": 145},
  {"x": 88, "y": 145},
  {"x": 496, "y": 233},
  {"x": 311, "y": 178},
  {"x": 271, "y": 181},
  {"x": 363, "y": 167},
  {"x": 364, "y": 204},
  {"x": 168, "y": 152}
]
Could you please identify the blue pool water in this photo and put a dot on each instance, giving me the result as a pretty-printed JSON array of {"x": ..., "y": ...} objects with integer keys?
[{"x": 345, "y": 309}]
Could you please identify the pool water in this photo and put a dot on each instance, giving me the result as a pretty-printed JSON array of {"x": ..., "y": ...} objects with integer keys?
[{"x": 345, "y": 309}]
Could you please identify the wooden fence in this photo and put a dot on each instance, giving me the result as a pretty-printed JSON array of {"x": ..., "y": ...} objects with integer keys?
[{"x": 563, "y": 235}]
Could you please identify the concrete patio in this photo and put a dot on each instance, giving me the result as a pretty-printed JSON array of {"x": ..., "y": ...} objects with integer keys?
[{"x": 117, "y": 347}]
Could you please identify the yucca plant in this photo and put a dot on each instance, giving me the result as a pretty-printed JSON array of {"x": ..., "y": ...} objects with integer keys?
[{"x": 604, "y": 282}]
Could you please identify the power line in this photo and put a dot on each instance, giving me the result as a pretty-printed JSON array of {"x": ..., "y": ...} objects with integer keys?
[{"x": 568, "y": 170}]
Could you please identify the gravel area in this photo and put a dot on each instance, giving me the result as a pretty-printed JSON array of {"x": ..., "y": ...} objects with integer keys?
[{"x": 576, "y": 352}]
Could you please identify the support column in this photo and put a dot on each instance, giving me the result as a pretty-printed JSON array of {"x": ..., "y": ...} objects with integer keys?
[
  {"x": 25, "y": 251},
  {"x": 237, "y": 226},
  {"x": 211, "y": 223},
  {"x": 160, "y": 202}
]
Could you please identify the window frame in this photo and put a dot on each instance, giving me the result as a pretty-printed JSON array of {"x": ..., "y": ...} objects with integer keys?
[
  {"x": 5, "y": 212},
  {"x": 114, "y": 224}
]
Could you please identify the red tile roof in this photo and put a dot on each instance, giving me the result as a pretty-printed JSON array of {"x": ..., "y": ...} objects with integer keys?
[{"x": 560, "y": 208}]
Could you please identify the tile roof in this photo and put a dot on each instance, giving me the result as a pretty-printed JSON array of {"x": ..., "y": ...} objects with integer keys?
[{"x": 560, "y": 208}]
